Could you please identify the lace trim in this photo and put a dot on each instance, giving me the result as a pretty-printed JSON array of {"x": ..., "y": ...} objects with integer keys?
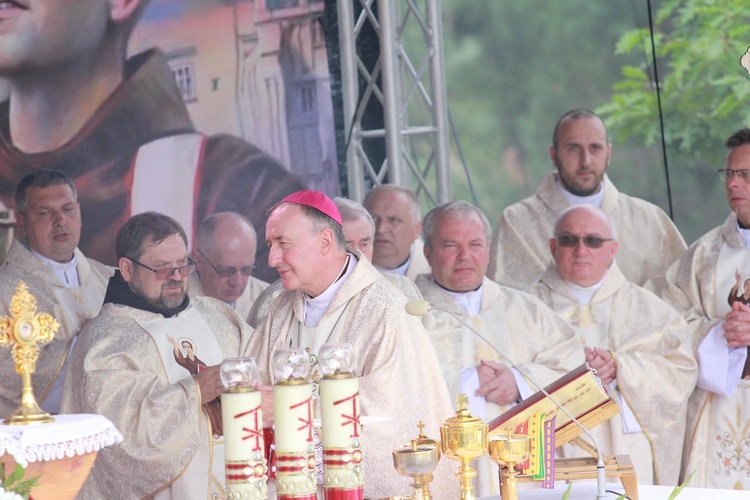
[{"x": 25, "y": 448}]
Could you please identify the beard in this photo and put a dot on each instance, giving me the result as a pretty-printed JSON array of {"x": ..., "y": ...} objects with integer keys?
[{"x": 165, "y": 301}]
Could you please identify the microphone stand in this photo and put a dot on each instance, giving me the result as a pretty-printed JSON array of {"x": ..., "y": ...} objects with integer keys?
[{"x": 422, "y": 307}]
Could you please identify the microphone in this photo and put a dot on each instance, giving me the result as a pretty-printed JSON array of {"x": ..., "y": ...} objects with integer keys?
[{"x": 422, "y": 307}]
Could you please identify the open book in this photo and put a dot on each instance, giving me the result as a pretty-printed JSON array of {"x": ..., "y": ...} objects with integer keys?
[{"x": 580, "y": 392}]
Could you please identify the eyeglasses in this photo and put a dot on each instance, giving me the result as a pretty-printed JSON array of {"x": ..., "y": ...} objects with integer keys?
[
  {"x": 228, "y": 272},
  {"x": 163, "y": 274},
  {"x": 591, "y": 241},
  {"x": 726, "y": 174}
]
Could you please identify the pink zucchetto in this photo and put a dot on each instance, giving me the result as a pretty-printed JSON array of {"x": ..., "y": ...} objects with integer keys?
[{"x": 316, "y": 200}]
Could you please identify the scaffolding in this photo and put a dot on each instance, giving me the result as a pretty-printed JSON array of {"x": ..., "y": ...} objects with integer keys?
[{"x": 406, "y": 80}]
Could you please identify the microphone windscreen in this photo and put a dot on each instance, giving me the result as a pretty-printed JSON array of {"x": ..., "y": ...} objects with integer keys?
[{"x": 417, "y": 307}]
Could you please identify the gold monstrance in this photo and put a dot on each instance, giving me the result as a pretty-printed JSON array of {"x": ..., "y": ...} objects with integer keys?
[{"x": 25, "y": 331}]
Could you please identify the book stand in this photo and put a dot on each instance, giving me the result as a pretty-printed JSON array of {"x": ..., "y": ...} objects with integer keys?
[
  {"x": 569, "y": 469},
  {"x": 581, "y": 393}
]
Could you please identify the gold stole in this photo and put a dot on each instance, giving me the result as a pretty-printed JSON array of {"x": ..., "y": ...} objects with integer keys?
[
  {"x": 589, "y": 321},
  {"x": 190, "y": 326}
]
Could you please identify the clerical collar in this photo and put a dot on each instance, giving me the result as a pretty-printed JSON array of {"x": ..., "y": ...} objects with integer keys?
[
  {"x": 470, "y": 302},
  {"x": 65, "y": 272},
  {"x": 401, "y": 270},
  {"x": 119, "y": 292},
  {"x": 594, "y": 199},
  {"x": 315, "y": 307},
  {"x": 744, "y": 234},
  {"x": 584, "y": 294}
]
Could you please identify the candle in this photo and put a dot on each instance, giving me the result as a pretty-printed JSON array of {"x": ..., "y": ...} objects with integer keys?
[
  {"x": 293, "y": 409},
  {"x": 340, "y": 418},
  {"x": 243, "y": 430}
]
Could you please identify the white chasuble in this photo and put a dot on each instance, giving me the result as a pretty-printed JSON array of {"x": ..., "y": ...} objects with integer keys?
[
  {"x": 724, "y": 431},
  {"x": 591, "y": 323},
  {"x": 187, "y": 345},
  {"x": 516, "y": 324},
  {"x": 656, "y": 368}
]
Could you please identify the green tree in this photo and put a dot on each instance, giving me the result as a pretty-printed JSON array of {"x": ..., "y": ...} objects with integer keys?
[
  {"x": 704, "y": 95},
  {"x": 513, "y": 67}
]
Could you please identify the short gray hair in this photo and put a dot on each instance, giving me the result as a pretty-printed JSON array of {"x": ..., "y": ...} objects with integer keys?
[
  {"x": 416, "y": 209},
  {"x": 455, "y": 208},
  {"x": 352, "y": 211}
]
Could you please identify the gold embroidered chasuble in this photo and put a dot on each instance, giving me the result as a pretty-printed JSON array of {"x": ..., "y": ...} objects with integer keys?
[
  {"x": 518, "y": 325},
  {"x": 72, "y": 307},
  {"x": 127, "y": 370},
  {"x": 244, "y": 302},
  {"x": 717, "y": 441},
  {"x": 519, "y": 253},
  {"x": 399, "y": 373},
  {"x": 656, "y": 367}
]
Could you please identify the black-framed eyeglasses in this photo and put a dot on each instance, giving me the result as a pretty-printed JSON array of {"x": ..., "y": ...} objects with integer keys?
[
  {"x": 726, "y": 174},
  {"x": 228, "y": 272},
  {"x": 591, "y": 241},
  {"x": 164, "y": 274}
]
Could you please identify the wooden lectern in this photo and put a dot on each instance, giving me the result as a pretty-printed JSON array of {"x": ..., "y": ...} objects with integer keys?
[{"x": 581, "y": 393}]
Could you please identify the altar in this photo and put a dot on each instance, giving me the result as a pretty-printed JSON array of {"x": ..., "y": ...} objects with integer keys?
[
  {"x": 59, "y": 454},
  {"x": 587, "y": 491}
]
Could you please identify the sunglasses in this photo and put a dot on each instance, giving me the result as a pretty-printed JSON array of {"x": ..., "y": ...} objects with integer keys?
[{"x": 591, "y": 241}]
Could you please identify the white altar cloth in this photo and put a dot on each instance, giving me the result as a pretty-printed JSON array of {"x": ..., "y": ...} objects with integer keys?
[
  {"x": 587, "y": 491},
  {"x": 67, "y": 436}
]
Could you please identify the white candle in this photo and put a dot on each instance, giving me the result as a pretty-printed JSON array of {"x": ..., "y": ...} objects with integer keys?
[
  {"x": 342, "y": 432},
  {"x": 293, "y": 409},
  {"x": 243, "y": 444}
]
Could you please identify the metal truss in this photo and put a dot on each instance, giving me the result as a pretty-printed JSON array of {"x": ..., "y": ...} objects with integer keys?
[{"x": 408, "y": 82}]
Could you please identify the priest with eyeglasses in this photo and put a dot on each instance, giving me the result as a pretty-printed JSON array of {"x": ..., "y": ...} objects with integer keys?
[
  {"x": 149, "y": 362},
  {"x": 638, "y": 344},
  {"x": 224, "y": 257},
  {"x": 717, "y": 444}
]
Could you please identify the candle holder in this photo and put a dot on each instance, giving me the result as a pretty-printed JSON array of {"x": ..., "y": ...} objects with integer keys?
[
  {"x": 293, "y": 414},
  {"x": 464, "y": 438},
  {"x": 242, "y": 417},
  {"x": 507, "y": 451},
  {"x": 343, "y": 457},
  {"x": 25, "y": 331}
]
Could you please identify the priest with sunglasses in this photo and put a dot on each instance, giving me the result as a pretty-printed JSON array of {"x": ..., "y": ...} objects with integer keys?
[
  {"x": 638, "y": 344},
  {"x": 149, "y": 362}
]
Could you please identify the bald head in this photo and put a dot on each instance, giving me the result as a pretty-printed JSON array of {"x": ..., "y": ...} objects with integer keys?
[
  {"x": 225, "y": 254},
  {"x": 584, "y": 244}
]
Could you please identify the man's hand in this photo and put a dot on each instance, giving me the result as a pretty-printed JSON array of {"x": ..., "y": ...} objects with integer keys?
[
  {"x": 497, "y": 383},
  {"x": 266, "y": 403},
  {"x": 209, "y": 382},
  {"x": 737, "y": 325},
  {"x": 602, "y": 361}
]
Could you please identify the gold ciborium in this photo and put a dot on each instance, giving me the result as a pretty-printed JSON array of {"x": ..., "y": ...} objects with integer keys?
[
  {"x": 507, "y": 451},
  {"x": 24, "y": 332},
  {"x": 464, "y": 438},
  {"x": 417, "y": 460}
]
